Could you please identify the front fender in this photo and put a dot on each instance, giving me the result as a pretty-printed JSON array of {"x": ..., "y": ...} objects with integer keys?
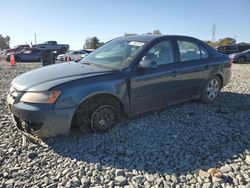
[{"x": 79, "y": 92}]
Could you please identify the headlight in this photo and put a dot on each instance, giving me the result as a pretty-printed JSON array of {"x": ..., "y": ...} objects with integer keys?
[
  {"x": 48, "y": 97},
  {"x": 231, "y": 55}
]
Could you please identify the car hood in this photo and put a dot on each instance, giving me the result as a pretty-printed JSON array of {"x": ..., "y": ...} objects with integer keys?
[
  {"x": 42, "y": 79},
  {"x": 235, "y": 54}
]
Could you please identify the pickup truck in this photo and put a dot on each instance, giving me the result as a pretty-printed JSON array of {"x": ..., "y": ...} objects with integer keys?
[{"x": 52, "y": 45}]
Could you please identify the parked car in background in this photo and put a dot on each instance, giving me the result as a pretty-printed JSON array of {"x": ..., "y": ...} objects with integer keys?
[
  {"x": 232, "y": 48},
  {"x": 240, "y": 57},
  {"x": 52, "y": 45},
  {"x": 30, "y": 55},
  {"x": 19, "y": 48},
  {"x": 124, "y": 77},
  {"x": 72, "y": 55}
]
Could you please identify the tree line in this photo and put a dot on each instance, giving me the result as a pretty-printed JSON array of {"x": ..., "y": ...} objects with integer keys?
[{"x": 4, "y": 42}]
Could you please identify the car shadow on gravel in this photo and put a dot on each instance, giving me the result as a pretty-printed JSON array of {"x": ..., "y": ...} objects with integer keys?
[{"x": 178, "y": 139}]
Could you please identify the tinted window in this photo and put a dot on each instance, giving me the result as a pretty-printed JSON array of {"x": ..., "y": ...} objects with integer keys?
[
  {"x": 51, "y": 42},
  {"x": 161, "y": 53},
  {"x": 229, "y": 48},
  {"x": 188, "y": 50},
  {"x": 204, "y": 53}
]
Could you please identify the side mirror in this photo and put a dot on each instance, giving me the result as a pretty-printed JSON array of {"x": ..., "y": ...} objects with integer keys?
[{"x": 147, "y": 64}]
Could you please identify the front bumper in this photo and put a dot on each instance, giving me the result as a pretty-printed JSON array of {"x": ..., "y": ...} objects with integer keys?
[
  {"x": 39, "y": 120},
  {"x": 61, "y": 58}
]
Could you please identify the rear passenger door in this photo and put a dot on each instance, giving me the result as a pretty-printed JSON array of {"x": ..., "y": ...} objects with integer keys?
[{"x": 194, "y": 67}]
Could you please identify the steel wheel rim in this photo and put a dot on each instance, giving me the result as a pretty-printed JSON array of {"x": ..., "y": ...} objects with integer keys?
[
  {"x": 213, "y": 89},
  {"x": 102, "y": 118}
]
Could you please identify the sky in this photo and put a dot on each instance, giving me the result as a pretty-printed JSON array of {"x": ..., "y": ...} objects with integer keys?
[{"x": 71, "y": 22}]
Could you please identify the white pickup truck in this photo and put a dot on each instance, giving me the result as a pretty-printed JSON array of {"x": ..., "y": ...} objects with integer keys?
[{"x": 52, "y": 45}]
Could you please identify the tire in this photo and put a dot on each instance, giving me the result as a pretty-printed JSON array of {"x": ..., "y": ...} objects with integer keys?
[
  {"x": 63, "y": 50},
  {"x": 211, "y": 90},
  {"x": 97, "y": 114},
  {"x": 241, "y": 60}
]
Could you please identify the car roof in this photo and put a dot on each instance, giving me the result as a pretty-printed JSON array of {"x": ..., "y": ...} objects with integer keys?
[{"x": 148, "y": 38}]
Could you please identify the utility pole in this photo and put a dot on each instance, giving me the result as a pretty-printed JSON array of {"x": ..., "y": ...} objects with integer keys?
[
  {"x": 213, "y": 33},
  {"x": 35, "y": 37},
  {"x": 234, "y": 39}
]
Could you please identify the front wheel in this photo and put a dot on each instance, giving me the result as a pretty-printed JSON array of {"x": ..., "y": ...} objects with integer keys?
[
  {"x": 97, "y": 114},
  {"x": 211, "y": 90},
  {"x": 102, "y": 119}
]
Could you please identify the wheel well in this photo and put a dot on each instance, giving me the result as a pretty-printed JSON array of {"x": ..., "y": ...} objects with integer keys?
[
  {"x": 97, "y": 98},
  {"x": 221, "y": 79},
  {"x": 242, "y": 56}
]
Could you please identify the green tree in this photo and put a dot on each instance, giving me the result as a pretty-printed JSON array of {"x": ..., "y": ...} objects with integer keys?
[
  {"x": 226, "y": 41},
  {"x": 222, "y": 42},
  {"x": 92, "y": 43},
  {"x": 4, "y": 42}
]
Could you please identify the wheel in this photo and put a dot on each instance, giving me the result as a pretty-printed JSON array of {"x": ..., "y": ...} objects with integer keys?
[
  {"x": 97, "y": 114},
  {"x": 241, "y": 60},
  {"x": 102, "y": 119},
  {"x": 211, "y": 90},
  {"x": 63, "y": 50}
]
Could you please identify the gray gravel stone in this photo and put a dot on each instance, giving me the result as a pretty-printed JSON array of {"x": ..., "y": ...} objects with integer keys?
[
  {"x": 121, "y": 180},
  {"x": 120, "y": 172},
  {"x": 248, "y": 159},
  {"x": 32, "y": 155},
  {"x": 203, "y": 173},
  {"x": 9, "y": 182},
  {"x": 225, "y": 169},
  {"x": 53, "y": 185},
  {"x": 207, "y": 185},
  {"x": 85, "y": 181}
]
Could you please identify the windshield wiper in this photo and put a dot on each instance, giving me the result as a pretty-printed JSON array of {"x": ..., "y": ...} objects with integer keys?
[{"x": 99, "y": 65}]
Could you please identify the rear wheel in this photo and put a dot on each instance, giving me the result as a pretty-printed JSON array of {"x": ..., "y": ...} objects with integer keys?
[
  {"x": 241, "y": 60},
  {"x": 211, "y": 90}
]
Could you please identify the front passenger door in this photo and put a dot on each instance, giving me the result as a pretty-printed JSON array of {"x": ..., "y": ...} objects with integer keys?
[{"x": 154, "y": 87}]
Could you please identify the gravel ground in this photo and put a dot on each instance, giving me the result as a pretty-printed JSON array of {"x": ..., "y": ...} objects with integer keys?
[{"x": 173, "y": 147}]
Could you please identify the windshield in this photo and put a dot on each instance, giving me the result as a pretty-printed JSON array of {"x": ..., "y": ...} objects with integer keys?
[{"x": 116, "y": 54}]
